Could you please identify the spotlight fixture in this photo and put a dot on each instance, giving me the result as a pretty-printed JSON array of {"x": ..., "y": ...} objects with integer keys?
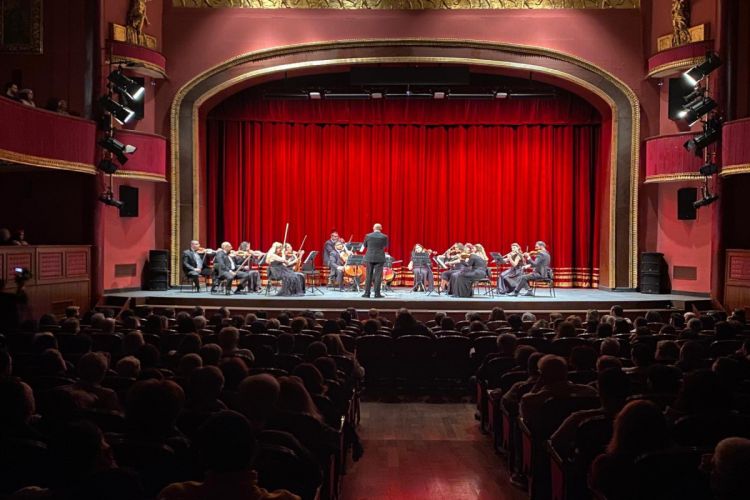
[
  {"x": 117, "y": 148},
  {"x": 438, "y": 94},
  {"x": 711, "y": 133},
  {"x": 109, "y": 199},
  {"x": 696, "y": 109},
  {"x": 315, "y": 96},
  {"x": 709, "y": 169},
  {"x": 107, "y": 166},
  {"x": 376, "y": 95},
  {"x": 698, "y": 72},
  {"x": 117, "y": 110},
  {"x": 126, "y": 86},
  {"x": 501, "y": 95}
]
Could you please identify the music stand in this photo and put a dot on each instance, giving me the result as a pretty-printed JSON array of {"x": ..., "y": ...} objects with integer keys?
[
  {"x": 500, "y": 261},
  {"x": 421, "y": 261},
  {"x": 441, "y": 266},
  {"x": 353, "y": 246},
  {"x": 308, "y": 269},
  {"x": 355, "y": 260}
]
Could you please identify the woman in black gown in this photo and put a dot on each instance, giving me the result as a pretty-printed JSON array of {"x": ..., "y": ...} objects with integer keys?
[
  {"x": 422, "y": 269},
  {"x": 291, "y": 283},
  {"x": 476, "y": 269},
  {"x": 508, "y": 279}
]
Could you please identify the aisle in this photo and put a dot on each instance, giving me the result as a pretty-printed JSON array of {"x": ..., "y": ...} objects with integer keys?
[{"x": 426, "y": 451}]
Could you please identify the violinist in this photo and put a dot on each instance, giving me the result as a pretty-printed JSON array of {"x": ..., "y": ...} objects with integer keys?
[
  {"x": 336, "y": 260},
  {"x": 508, "y": 279},
  {"x": 278, "y": 269},
  {"x": 462, "y": 283},
  {"x": 194, "y": 263},
  {"x": 328, "y": 247},
  {"x": 227, "y": 269},
  {"x": 453, "y": 261},
  {"x": 245, "y": 257},
  {"x": 421, "y": 267},
  {"x": 539, "y": 262}
]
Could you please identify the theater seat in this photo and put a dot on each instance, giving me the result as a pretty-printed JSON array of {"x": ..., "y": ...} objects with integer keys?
[
  {"x": 375, "y": 353},
  {"x": 672, "y": 474}
]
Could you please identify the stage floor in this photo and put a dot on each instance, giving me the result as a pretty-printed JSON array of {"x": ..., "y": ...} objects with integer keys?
[{"x": 566, "y": 299}]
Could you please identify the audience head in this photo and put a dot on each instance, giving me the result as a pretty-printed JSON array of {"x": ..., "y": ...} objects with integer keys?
[
  {"x": 188, "y": 364},
  {"x": 695, "y": 325},
  {"x": 132, "y": 342},
  {"x": 701, "y": 392},
  {"x": 607, "y": 362},
  {"x": 664, "y": 379},
  {"x": 616, "y": 311},
  {"x": 565, "y": 329},
  {"x": 583, "y": 358},
  {"x": 226, "y": 443},
  {"x": 533, "y": 363},
  {"x": 604, "y": 330},
  {"x": 642, "y": 354},
  {"x": 610, "y": 347},
  {"x": 614, "y": 388},
  {"x": 553, "y": 369},
  {"x": 148, "y": 355},
  {"x": 51, "y": 363},
  {"x": 256, "y": 398},
  {"x": 667, "y": 351},
  {"x": 92, "y": 367},
  {"x": 497, "y": 314},
  {"x": 298, "y": 324},
  {"x": 78, "y": 451},
  {"x": 152, "y": 406},
  {"x": 72, "y": 312},
  {"x": 447, "y": 324},
  {"x": 205, "y": 384},
  {"x": 506, "y": 344},
  {"x": 42, "y": 341},
  {"x": 640, "y": 427},
  {"x": 515, "y": 322},
  {"x": 294, "y": 398},
  {"x": 128, "y": 367},
  {"x": 70, "y": 325},
  {"x": 729, "y": 466},
  {"x": 528, "y": 317},
  {"x": 316, "y": 350},
  {"x": 522, "y": 354},
  {"x": 210, "y": 354},
  {"x": 229, "y": 338},
  {"x": 327, "y": 367},
  {"x": 311, "y": 378},
  {"x": 6, "y": 363},
  {"x": 16, "y": 402},
  {"x": 235, "y": 370}
]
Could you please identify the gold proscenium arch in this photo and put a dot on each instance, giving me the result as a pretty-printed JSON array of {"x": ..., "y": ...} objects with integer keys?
[{"x": 621, "y": 100}]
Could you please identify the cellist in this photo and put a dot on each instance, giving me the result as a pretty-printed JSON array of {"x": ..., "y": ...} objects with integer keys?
[{"x": 336, "y": 261}]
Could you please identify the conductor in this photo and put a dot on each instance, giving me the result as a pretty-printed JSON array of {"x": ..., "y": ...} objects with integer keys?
[{"x": 375, "y": 243}]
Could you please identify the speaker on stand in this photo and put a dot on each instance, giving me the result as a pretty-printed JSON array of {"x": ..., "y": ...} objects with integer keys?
[
  {"x": 654, "y": 273},
  {"x": 158, "y": 270}
]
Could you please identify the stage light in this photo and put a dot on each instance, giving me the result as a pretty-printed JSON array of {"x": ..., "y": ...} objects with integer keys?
[
  {"x": 126, "y": 86},
  {"x": 439, "y": 94},
  {"x": 118, "y": 111},
  {"x": 107, "y": 166},
  {"x": 695, "y": 110},
  {"x": 501, "y": 95},
  {"x": 376, "y": 95},
  {"x": 109, "y": 199},
  {"x": 117, "y": 148},
  {"x": 711, "y": 133},
  {"x": 315, "y": 96},
  {"x": 706, "y": 200},
  {"x": 698, "y": 72},
  {"x": 709, "y": 169}
]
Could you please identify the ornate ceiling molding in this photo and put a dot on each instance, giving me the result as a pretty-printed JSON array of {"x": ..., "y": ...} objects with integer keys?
[{"x": 411, "y": 4}]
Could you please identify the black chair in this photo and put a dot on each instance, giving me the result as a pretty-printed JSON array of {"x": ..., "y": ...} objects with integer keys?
[
  {"x": 452, "y": 358},
  {"x": 23, "y": 462},
  {"x": 483, "y": 346},
  {"x": 157, "y": 464},
  {"x": 484, "y": 285},
  {"x": 375, "y": 354},
  {"x": 287, "y": 362},
  {"x": 302, "y": 341},
  {"x": 563, "y": 346},
  {"x": 539, "y": 343},
  {"x": 719, "y": 348},
  {"x": 72, "y": 344},
  {"x": 707, "y": 429},
  {"x": 414, "y": 359},
  {"x": 548, "y": 282},
  {"x": 254, "y": 340},
  {"x": 673, "y": 474},
  {"x": 279, "y": 467},
  {"x": 107, "y": 342}
]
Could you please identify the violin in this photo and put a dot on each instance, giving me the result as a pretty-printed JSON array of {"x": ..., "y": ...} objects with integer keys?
[{"x": 205, "y": 250}]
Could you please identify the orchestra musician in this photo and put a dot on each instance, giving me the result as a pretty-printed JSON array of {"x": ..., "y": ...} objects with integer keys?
[
  {"x": 422, "y": 269},
  {"x": 244, "y": 258},
  {"x": 195, "y": 265},
  {"x": 336, "y": 259},
  {"x": 476, "y": 269},
  {"x": 508, "y": 279},
  {"x": 451, "y": 259},
  {"x": 278, "y": 268},
  {"x": 539, "y": 261},
  {"x": 227, "y": 269},
  {"x": 375, "y": 243},
  {"x": 330, "y": 246}
]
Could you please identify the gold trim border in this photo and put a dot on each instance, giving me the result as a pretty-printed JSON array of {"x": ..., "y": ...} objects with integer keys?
[
  {"x": 44, "y": 162},
  {"x": 410, "y": 4},
  {"x": 659, "y": 178},
  {"x": 742, "y": 168},
  {"x": 674, "y": 65},
  {"x": 435, "y": 44},
  {"x": 144, "y": 176}
]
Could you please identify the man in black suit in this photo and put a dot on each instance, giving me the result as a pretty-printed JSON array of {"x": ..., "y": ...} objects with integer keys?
[
  {"x": 541, "y": 270},
  {"x": 194, "y": 264},
  {"x": 375, "y": 243},
  {"x": 328, "y": 247},
  {"x": 226, "y": 268}
]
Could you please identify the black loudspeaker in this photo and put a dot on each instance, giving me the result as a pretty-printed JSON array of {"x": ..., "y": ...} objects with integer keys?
[
  {"x": 129, "y": 198},
  {"x": 158, "y": 270},
  {"x": 654, "y": 276},
  {"x": 685, "y": 199},
  {"x": 678, "y": 89}
]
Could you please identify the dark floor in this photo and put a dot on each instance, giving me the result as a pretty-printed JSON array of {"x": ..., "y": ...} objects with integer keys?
[{"x": 426, "y": 451}]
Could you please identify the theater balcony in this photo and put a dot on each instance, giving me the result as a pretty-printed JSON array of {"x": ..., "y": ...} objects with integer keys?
[{"x": 41, "y": 138}]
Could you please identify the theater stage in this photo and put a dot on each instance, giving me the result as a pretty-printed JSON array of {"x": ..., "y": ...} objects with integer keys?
[{"x": 566, "y": 299}]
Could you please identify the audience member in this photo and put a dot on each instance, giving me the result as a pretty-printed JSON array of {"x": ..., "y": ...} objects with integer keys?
[
  {"x": 92, "y": 368},
  {"x": 729, "y": 465},
  {"x": 26, "y": 96},
  {"x": 11, "y": 91}
]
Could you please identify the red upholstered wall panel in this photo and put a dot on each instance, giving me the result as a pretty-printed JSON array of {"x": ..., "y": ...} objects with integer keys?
[
  {"x": 76, "y": 263},
  {"x": 50, "y": 265}
]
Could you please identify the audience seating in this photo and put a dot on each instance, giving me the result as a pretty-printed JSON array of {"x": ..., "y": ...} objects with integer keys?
[{"x": 673, "y": 474}]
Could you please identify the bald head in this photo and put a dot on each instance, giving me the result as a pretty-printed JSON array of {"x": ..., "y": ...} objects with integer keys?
[
  {"x": 553, "y": 369},
  {"x": 377, "y": 227}
]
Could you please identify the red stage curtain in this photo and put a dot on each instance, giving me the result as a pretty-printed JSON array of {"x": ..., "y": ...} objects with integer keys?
[{"x": 433, "y": 184}]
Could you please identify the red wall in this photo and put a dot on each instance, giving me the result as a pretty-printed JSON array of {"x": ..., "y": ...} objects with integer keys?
[
  {"x": 59, "y": 71},
  {"x": 127, "y": 240},
  {"x": 684, "y": 242}
]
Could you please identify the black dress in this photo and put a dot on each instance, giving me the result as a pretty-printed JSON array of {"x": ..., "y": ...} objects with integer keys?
[
  {"x": 291, "y": 283},
  {"x": 476, "y": 269},
  {"x": 423, "y": 273},
  {"x": 509, "y": 279}
]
